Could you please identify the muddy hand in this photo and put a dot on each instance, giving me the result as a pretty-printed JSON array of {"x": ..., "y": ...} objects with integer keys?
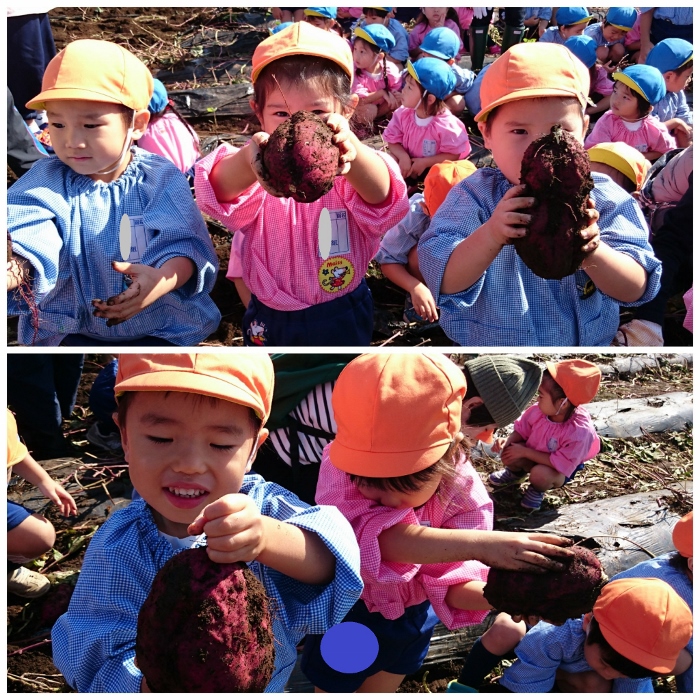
[
  {"x": 343, "y": 139},
  {"x": 115, "y": 316},
  {"x": 257, "y": 145},
  {"x": 591, "y": 234}
]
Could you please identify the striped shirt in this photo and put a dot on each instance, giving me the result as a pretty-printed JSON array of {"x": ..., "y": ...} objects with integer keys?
[{"x": 94, "y": 642}]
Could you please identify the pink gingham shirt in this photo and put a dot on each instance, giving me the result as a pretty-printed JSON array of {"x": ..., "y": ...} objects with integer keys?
[
  {"x": 391, "y": 587},
  {"x": 651, "y": 136},
  {"x": 279, "y": 251},
  {"x": 366, "y": 83},
  {"x": 568, "y": 444},
  {"x": 444, "y": 134}
]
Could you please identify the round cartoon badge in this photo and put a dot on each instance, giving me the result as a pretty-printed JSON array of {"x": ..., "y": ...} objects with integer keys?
[{"x": 335, "y": 274}]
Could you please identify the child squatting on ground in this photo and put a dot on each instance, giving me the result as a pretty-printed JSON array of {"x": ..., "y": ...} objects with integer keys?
[
  {"x": 304, "y": 292},
  {"x": 398, "y": 471},
  {"x": 398, "y": 254},
  {"x": 191, "y": 425},
  {"x": 423, "y": 131},
  {"x": 485, "y": 292},
  {"x": 92, "y": 284},
  {"x": 552, "y": 440},
  {"x": 29, "y": 535}
]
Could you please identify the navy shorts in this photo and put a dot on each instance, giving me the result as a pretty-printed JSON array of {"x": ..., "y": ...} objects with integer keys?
[
  {"x": 574, "y": 473},
  {"x": 403, "y": 645},
  {"x": 347, "y": 320},
  {"x": 16, "y": 514}
]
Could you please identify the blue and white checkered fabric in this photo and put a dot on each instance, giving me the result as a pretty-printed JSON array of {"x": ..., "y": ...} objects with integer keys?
[
  {"x": 94, "y": 642},
  {"x": 509, "y": 304},
  {"x": 673, "y": 105},
  {"x": 677, "y": 15},
  {"x": 67, "y": 226}
]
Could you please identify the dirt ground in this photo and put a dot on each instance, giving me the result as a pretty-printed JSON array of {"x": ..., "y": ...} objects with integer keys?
[
  {"x": 189, "y": 48},
  {"x": 99, "y": 482}
]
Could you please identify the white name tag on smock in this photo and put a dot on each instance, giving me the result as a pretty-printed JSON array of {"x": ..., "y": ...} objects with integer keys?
[
  {"x": 333, "y": 238},
  {"x": 429, "y": 148},
  {"x": 139, "y": 239}
]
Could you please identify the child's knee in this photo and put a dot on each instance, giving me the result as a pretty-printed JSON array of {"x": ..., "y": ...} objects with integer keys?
[
  {"x": 32, "y": 537},
  {"x": 602, "y": 52},
  {"x": 504, "y": 635},
  {"x": 543, "y": 477}
]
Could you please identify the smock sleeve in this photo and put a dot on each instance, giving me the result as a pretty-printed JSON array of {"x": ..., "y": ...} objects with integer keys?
[
  {"x": 602, "y": 131},
  {"x": 394, "y": 131}
]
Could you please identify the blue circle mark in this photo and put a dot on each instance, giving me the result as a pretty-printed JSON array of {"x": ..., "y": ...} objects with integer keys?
[{"x": 349, "y": 647}]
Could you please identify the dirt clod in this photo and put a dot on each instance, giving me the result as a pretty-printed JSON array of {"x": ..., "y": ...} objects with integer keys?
[{"x": 556, "y": 170}]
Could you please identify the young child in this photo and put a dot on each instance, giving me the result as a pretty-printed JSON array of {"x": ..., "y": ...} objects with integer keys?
[
  {"x": 29, "y": 535},
  {"x": 323, "y": 18},
  {"x": 168, "y": 134},
  {"x": 609, "y": 35},
  {"x": 536, "y": 21},
  {"x": 552, "y": 440},
  {"x": 65, "y": 217},
  {"x": 398, "y": 471},
  {"x": 624, "y": 165},
  {"x": 423, "y": 131},
  {"x": 676, "y": 569},
  {"x": 638, "y": 629},
  {"x": 486, "y": 294},
  {"x": 191, "y": 425},
  {"x": 397, "y": 254},
  {"x": 635, "y": 92},
  {"x": 303, "y": 292},
  {"x": 377, "y": 82},
  {"x": 571, "y": 21},
  {"x": 384, "y": 15},
  {"x": 674, "y": 59},
  {"x": 584, "y": 48},
  {"x": 429, "y": 19}
]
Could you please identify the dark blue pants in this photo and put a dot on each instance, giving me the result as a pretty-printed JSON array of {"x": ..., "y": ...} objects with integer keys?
[
  {"x": 663, "y": 29},
  {"x": 102, "y": 401},
  {"x": 347, "y": 320},
  {"x": 78, "y": 340}
]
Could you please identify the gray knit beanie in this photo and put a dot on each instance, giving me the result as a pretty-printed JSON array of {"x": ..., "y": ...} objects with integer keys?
[{"x": 506, "y": 384}]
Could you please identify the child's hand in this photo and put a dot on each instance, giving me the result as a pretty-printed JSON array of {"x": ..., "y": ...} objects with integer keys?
[
  {"x": 405, "y": 163},
  {"x": 507, "y": 220},
  {"x": 418, "y": 165},
  {"x": 497, "y": 445},
  {"x": 58, "y": 495},
  {"x": 256, "y": 145},
  {"x": 423, "y": 303},
  {"x": 516, "y": 450},
  {"x": 609, "y": 67},
  {"x": 523, "y": 552},
  {"x": 393, "y": 99},
  {"x": 343, "y": 138},
  {"x": 234, "y": 529},
  {"x": 591, "y": 234},
  {"x": 529, "y": 620}
]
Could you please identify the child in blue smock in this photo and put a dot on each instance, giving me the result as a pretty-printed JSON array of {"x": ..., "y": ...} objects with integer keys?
[
  {"x": 115, "y": 248},
  {"x": 191, "y": 425},
  {"x": 485, "y": 292}
]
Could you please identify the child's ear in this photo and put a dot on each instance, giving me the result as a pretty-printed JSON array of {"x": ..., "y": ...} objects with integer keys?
[
  {"x": 141, "y": 119},
  {"x": 351, "y": 106},
  {"x": 122, "y": 433},
  {"x": 256, "y": 110},
  {"x": 486, "y": 133},
  {"x": 587, "y": 621}
]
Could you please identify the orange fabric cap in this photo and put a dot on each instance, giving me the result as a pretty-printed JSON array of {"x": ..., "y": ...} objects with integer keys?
[
  {"x": 533, "y": 70},
  {"x": 645, "y": 620},
  {"x": 683, "y": 535},
  {"x": 302, "y": 38},
  {"x": 397, "y": 413},
  {"x": 16, "y": 449},
  {"x": 100, "y": 71},
  {"x": 239, "y": 377},
  {"x": 579, "y": 379},
  {"x": 440, "y": 179}
]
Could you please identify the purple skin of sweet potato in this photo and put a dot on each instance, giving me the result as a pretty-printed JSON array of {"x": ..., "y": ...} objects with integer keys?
[
  {"x": 556, "y": 171},
  {"x": 300, "y": 159},
  {"x": 205, "y": 628},
  {"x": 554, "y": 596}
]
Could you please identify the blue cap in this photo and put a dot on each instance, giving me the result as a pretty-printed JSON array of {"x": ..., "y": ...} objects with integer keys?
[
  {"x": 434, "y": 75},
  {"x": 583, "y": 47},
  {"x": 159, "y": 100},
  {"x": 621, "y": 17},
  {"x": 670, "y": 54},
  {"x": 644, "y": 80},
  {"x": 386, "y": 9},
  {"x": 280, "y": 27},
  {"x": 325, "y": 12},
  {"x": 572, "y": 15},
  {"x": 441, "y": 42},
  {"x": 378, "y": 35}
]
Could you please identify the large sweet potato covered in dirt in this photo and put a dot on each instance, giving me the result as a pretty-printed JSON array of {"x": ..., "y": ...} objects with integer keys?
[
  {"x": 556, "y": 170},
  {"x": 300, "y": 159},
  {"x": 205, "y": 628},
  {"x": 555, "y": 596}
]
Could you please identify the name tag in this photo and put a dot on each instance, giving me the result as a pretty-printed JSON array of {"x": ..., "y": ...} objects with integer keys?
[
  {"x": 139, "y": 239},
  {"x": 429, "y": 148},
  {"x": 339, "y": 237}
]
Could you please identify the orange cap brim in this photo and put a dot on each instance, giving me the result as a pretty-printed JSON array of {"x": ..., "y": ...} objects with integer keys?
[{"x": 530, "y": 93}]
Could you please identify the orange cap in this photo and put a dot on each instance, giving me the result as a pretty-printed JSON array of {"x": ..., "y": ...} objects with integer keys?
[
  {"x": 302, "y": 38},
  {"x": 239, "y": 377},
  {"x": 532, "y": 70},
  {"x": 397, "y": 413},
  {"x": 16, "y": 449},
  {"x": 440, "y": 179},
  {"x": 683, "y": 535},
  {"x": 623, "y": 157},
  {"x": 579, "y": 379},
  {"x": 100, "y": 71},
  {"x": 645, "y": 620}
]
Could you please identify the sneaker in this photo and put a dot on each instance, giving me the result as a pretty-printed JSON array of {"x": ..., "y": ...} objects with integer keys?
[
  {"x": 27, "y": 584},
  {"x": 503, "y": 477},
  {"x": 106, "y": 441},
  {"x": 532, "y": 499},
  {"x": 457, "y": 687}
]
